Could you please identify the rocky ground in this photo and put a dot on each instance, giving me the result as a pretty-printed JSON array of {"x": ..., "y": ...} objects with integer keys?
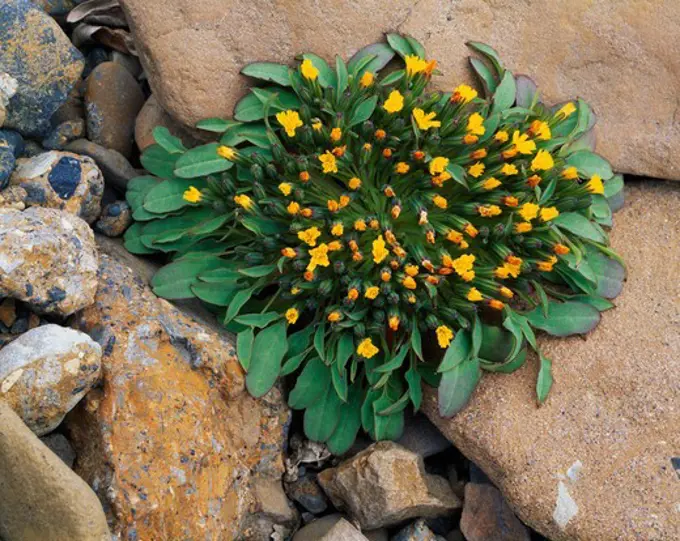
[{"x": 123, "y": 416}]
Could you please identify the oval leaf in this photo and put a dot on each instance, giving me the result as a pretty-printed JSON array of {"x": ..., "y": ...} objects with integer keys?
[
  {"x": 201, "y": 161},
  {"x": 268, "y": 71},
  {"x": 269, "y": 348},
  {"x": 456, "y": 387},
  {"x": 565, "y": 318}
]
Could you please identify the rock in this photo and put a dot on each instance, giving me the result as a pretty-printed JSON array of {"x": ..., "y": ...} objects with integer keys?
[
  {"x": 60, "y": 446},
  {"x": 129, "y": 62},
  {"x": 631, "y": 53},
  {"x": 42, "y": 498},
  {"x": 61, "y": 180},
  {"x": 71, "y": 110},
  {"x": 43, "y": 62},
  {"x": 47, "y": 259},
  {"x": 116, "y": 168},
  {"x": 3, "y": 114},
  {"x": 387, "y": 484},
  {"x": 594, "y": 461},
  {"x": 56, "y": 7},
  {"x": 422, "y": 437},
  {"x": 63, "y": 134},
  {"x": 112, "y": 100},
  {"x": 115, "y": 219},
  {"x": 12, "y": 140},
  {"x": 7, "y": 163},
  {"x": 418, "y": 531},
  {"x": 173, "y": 442},
  {"x": 153, "y": 115},
  {"x": 487, "y": 516},
  {"x": 95, "y": 56},
  {"x": 329, "y": 528},
  {"x": 307, "y": 492},
  {"x": 380, "y": 534}
]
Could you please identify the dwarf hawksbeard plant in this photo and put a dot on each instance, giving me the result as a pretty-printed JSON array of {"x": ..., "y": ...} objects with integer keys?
[{"x": 362, "y": 234}]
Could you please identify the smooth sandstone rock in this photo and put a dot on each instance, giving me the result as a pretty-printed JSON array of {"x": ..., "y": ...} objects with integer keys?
[
  {"x": 615, "y": 55},
  {"x": 173, "y": 442},
  {"x": 42, "y": 498},
  {"x": 595, "y": 461},
  {"x": 47, "y": 259},
  {"x": 153, "y": 115}
]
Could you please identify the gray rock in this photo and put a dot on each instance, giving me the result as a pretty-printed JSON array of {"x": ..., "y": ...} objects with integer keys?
[
  {"x": 381, "y": 534},
  {"x": 488, "y": 517},
  {"x": 129, "y": 62},
  {"x": 307, "y": 492},
  {"x": 60, "y": 446},
  {"x": 422, "y": 437},
  {"x": 115, "y": 219},
  {"x": 7, "y": 163},
  {"x": 418, "y": 531},
  {"x": 329, "y": 528},
  {"x": 116, "y": 168}
]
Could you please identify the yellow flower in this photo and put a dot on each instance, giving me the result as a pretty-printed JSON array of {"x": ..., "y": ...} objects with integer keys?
[
  {"x": 566, "y": 111},
  {"x": 506, "y": 292},
  {"x": 402, "y": 168},
  {"x": 489, "y": 211},
  {"x": 336, "y": 134},
  {"x": 394, "y": 103},
  {"x": 353, "y": 294},
  {"x": 496, "y": 304},
  {"x": 293, "y": 208},
  {"x": 334, "y": 316},
  {"x": 438, "y": 165},
  {"x": 425, "y": 121},
  {"x": 414, "y": 64},
  {"x": 379, "y": 250},
  {"x": 332, "y": 205},
  {"x": 491, "y": 183},
  {"x": 308, "y": 70},
  {"x": 474, "y": 295},
  {"x": 549, "y": 213},
  {"x": 295, "y": 290},
  {"x": 463, "y": 263},
  {"x": 523, "y": 227},
  {"x": 440, "y": 201},
  {"x": 354, "y": 183},
  {"x": 309, "y": 236},
  {"x": 288, "y": 252},
  {"x": 561, "y": 249},
  {"x": 509, "y": 169},
  {"x": 393, "y": 322},
  {"x": 528, "y": 211},
  {"x": 330, "y": 165},
  {"x": 334, "y": 246},
  {"x": 454, "y": 236},
  {"x": 501, "y": 136},
  {"x": 570, "y": 173},
  {"x": 522, "y": 143},
  {"x": 366, "y": 79},
  {"x": 226, "y": 152},
  {"x": 290, "y": 120},
  {"x": 292, "y": 315},
  {"x": 337, "y": 230},
  {"x": 547, "y": 266},
  {"x": 543, "y": 161},
  {"x": 540, "y": 130},
  {"x": 285, "y": 188},
  {"x": 372, "y": 292},
  {"x": 475, "y": 125},
  {"x": 409, "y": 282},
  {"x": 595, "y": 185},
  {"x": 471, "y": 230},
  {"x": 366, "y": 348},
  {"x": 244, "y": 201},
  {"x": 444, "y": 336},
  {"x": 477, "y": 170},
  {"x": 319, "y": 257},
  {"x": 411, "y": 270},
  {"x": 192, "y": 195},
  {"x": 463, "y": 94},
  {"x": 360, "y": 225},
  {"x": 317, "y": 125},
  {"x": 344, "y": 201}
]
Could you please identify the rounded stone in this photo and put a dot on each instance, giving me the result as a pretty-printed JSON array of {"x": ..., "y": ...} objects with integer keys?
[
  {"x": 63, "y": 134},
  {"x": 115, "y": 219}
]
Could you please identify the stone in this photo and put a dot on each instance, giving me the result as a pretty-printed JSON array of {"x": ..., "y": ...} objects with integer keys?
[
  {"x": 173, "y": 442},
  {"x": 307, "y": 492},
  {"x": 41, "y": 59},
  {"x": 45, "y": 372},
  {"x": 61, "y": 180},
  {"x": 63, "y": 134},
  {"x": 48, "y": 259},
  {"x": 60, "y": 446},
  {"x": 385, "y": 485},
  {"x": 129, "y": 62},
  {"x": 115, "y": 219},
  {"x": 329, "y": 528},
  {"x": 487, "y": 516},
  {"x": 153, "y": 115},
  {"x": 621, "y": 43},
  {"x": 116, "y": 168},
  {"x": 12, "y": 140},
  {"x": 422, "y": 437},
  {"x": 42, "y": 498},
  {"x": 56, "y": 7},
  {"x": 7, "y": 163},
  {"x": 73, "y": 109},
  {"x": 381, "y": 534},
  {"x": 112, "y": 100},
  {"x": 594, "y": 461},
  {"x": 3, "y": 114},
  {"x": 418, "y": 531}
]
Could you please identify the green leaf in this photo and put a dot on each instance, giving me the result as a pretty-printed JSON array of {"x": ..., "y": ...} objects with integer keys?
[
  {"x": 268, "y": 71},
  {"x": 310, "y": 385},
  {"x": 416, "y": 339},
  {"x": 457, "y": 385},
  {"x": 387, "y": 427},
  {"x": 414, "y": 387},
  {"x": 293, "y": 363},
  {"x": 457, "y": 352},
  {"x": 133, "y": 242},
  {"x": 257, "y": 320},
  {"x": 201, "y": 161},
  {"x": 237, "y": 303},
  {"x": 544, "y": 381},
  {"x": 137, "y": 189},
  {"x": 394, "y": 363},
  {"x": 458, "y": 174},
  {"x": 395, "y": 407},
  {"x": 327, "y": 76},
  {"x": 589, "y": 164},
  {"x": 218, "y": 294},
  {"x": 263, "y": 226},
  {"x": 216, "y": 125},
  {"x": 476, "y": 335},
  {"x": 298, "y": 342},
  {"x": 363, "y": 111},
  {"x": 600, "y": 303},
  {"x": 613, "y": 191},
  {"x": 169, "y": 143},
  {"x": 158, "y": 161},
  {"x": 400, "y": 44},
  {"x": 342, "y": 77},
  {"x": 279, "y": 99},
  {"x": 579, "y": 225},
  {"x": 504, "y": 96},
  {"x": 507, "y": 367},
  {"x": 244, "y": 347},
  {"x": 392, "y": 78},
  {"x": 322, "y": 418},
  {"x": 498, "y": 346},
  {"x": 486, "y": 76},
  {"x": 488, "y": 52},
  {"x": 609, "y": 274},
  {"x": 565, "y": 319},
  {"x": 345, "y": 349},
  {"x": 167, "y": 196},
  {"x": 416, "y": 47},
  {"x": 173, "y": 227},
  {"x": 253, "y": 132},
  {"x": 258, "y": 271},
  {"x": 174, "y": 281},
  {"x": 319, "y": 339},
  {"x": 348, "y": 425},
  {"x": 382, "y": 53},
  {"x": 339, "y": 380},
  {"x": 526, "y": 91},
  {"x": 269, "y": 349}
]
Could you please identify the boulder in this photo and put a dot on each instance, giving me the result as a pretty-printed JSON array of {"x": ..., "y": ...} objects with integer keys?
[
  {"x": 615, "y": 55},
  {"x": 41, "y": 59},
  {"x": 41, "y": 497},
  {"x": 48, "y": 259},
  {"x": 153, "y": 115},
  {"x": 329, "y": 528},
  {"x": 173, "y": 442},
  {"x": 385, "y": 485},
  {"x": 595, "y": 461},
  {"x": 45, "y": 372},
  {"x": 487, "y": 517},
  {"x": 61, "y": 180}
]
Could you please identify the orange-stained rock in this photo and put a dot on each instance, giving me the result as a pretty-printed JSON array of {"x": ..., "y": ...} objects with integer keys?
[{"x": 173, "y": 442}]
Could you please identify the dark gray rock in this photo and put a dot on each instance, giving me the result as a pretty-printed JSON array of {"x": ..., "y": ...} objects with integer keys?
[
  {"x": 63, "y": 134},
  {"x": 307, "y": 492},
  {"x": 116, "y": 217},
  {"x": 115, "y": 167},
  {"x": 60, "y": 446}
]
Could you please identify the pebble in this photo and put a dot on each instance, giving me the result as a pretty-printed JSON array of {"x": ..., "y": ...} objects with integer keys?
[
  {"x": 307, "y": 492},
  {"x": 115, "y": 219},
  {"x": 115, "y": 167},
  {"x": 63, "y": 134}
]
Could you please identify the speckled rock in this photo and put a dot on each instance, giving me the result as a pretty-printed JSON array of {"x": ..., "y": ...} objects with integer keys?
[
  {"x": 116, "y": 217},
  {"x": 173, "y": 442},
  {"x": 487, "y": 516},
  {"x": 7, "y": 163},
  {"x": 596, "y": 460},
  {"x": 56, "y": 7},
  {"x": 61, "y": 180},
  {"x": 112, "y": 100},
  {"x": 418, "y": 531},
  {"x": 152, "y": 115},
  {"x": 37, "y": 53},
  {"x": 47, "y": 259},
  {"x": 307, "y": 492},
  {"x": 45, "y": 372},
  {"x": 116, "y": 168},
  {"x": 60, "y": 446},
  {"x": 16, "y": 319},
  {"x": 63, "y": 134},
  {"x": 385, "y": 485},
  {"x": 329, "y": 528},
  {"x": 42, "y": 498}
]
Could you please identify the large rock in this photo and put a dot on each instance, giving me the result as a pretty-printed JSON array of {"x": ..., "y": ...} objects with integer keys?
[
  {"x": 45, "y": 372},
  {"x": 48, "y": 259},
  {"x": 173, "y": 442},
  {"x": 41, "y": 497},
  {"x": 40, "y": 57},
  {"x": 613, "y": 54},
  {"x": 151, "y": 116},
  {"x": 596, "y": 461},
  {"x": 329, "y": 528}
]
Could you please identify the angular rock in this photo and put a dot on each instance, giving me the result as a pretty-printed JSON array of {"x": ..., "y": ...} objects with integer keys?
[
  {"x": 60, "y": 446},
  {"x": 153, "y": 115},
  {"x": 418, "y": 531},
  {"x": 40, "y": 57},
  {"x": 61, "y": 180},
  {"x": 329, "y": 528},
  {"x": 115, "y": 219},
  {"x": 623, "y": 43},
  {"x": 112, "y": 100},
  {"x": 45, "y": 372},
  {"x": 595, "y": 460},
  {"x": 385, "y": 485},
  {"x": 173, "y": 442},
  {"x": 116, "y": 168},
  {"x": 487, "y": 517},
  {"x": 48, "y": 259},
  {"x": 42, "y": 498}
]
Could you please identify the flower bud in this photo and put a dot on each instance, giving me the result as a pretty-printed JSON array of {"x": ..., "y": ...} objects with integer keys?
[
  {"x": 325, "y": 287},
  {"x": 256, "y": 171}
]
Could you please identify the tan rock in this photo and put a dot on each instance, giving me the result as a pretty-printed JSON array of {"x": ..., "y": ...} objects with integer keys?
[
  {"x": 595, "y": 461},
  {"x": 153, "y": 115},
  {"x": 487, "y": 517},
  {"x": 613, "y": 54},
  {"x": 329, "y": 528},
  {"x": 385, "y": 485},
  {"x": 173, "y": 442},
  {"x": 42, "y": 498}
]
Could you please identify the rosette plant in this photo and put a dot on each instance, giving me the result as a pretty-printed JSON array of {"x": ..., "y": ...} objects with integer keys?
[{"x": 363, "y": 235}]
